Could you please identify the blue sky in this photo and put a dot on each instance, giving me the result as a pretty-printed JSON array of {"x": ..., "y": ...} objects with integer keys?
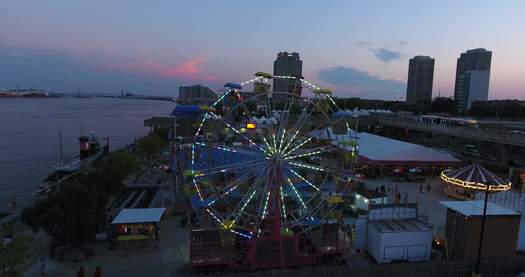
[{"x": 357, "y": 48}]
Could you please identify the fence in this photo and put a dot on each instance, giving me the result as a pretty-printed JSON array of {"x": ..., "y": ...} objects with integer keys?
[{"x": 489, "y": 267}]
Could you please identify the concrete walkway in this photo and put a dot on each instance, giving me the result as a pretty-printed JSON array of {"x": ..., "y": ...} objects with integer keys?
[
  {"x": 170, "y": 258},
  {"x": 428, "y": 202}
]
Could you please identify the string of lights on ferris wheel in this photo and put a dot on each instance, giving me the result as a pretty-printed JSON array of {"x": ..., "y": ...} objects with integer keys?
[{"x": 269, "y": 149}]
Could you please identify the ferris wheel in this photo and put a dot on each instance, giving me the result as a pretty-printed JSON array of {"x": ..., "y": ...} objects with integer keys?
[{"x": 269, "y": 163}]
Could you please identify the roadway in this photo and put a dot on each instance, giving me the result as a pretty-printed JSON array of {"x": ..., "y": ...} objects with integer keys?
[{"x": 471, "y": 133}]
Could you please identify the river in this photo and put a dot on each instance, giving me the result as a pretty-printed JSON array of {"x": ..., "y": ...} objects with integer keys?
[{"x": 29, "y": 140}]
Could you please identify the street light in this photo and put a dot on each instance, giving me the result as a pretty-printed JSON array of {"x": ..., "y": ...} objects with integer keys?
[{"x": 476, "y": 178}]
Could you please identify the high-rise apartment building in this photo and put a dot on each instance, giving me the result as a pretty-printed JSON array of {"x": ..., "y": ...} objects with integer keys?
[
  {"x": 473, "y": 60},
  {"x": 288, "y": 64},
  {"x": 474, "y": 85},
  {"x": 420, "y": 79}
]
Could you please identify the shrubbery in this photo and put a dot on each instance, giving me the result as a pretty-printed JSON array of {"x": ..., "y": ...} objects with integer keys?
[{"x": 75, "y": 211}]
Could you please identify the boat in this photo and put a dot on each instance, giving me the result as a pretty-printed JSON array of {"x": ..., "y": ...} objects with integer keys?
[
  {"x": 90, "y": 151},
  {"x": 42, "y": 193},
  {"x": 71, "y": 166}
]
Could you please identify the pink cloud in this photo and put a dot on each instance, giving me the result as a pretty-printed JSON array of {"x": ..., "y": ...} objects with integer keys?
[{"x": 191, "y": 69}]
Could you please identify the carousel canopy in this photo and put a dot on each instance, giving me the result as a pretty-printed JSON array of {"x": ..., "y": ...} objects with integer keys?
[{"x": 475, "y": 176}]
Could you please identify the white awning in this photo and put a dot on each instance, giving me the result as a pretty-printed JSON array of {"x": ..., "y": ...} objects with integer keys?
[{"x": 126, "y": 216}]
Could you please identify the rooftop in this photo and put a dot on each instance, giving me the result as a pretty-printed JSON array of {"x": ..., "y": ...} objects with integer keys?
[
  {"x": 400, "y": 225},
  {"x": 139, "y": 215},
  {"x": 369, "y": 194},
  {"x": 382, "y": 149},
  {"x": 186, "y": 110},
  {"x": 477, "y": 50},
  {"x": 475, "y": 208}
]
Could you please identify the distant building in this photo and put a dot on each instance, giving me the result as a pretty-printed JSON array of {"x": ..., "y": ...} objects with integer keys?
[
  {"x": 196, "y": 94},
  {"x": 474, "y": 86},
  {"x": 475, "y": 59},
  {"x": 288, "y": 64},
  {"x": 420, "y": 79}
]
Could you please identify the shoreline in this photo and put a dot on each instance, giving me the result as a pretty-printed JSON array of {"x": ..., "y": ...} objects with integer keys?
[{"x": 14, "y": 215}]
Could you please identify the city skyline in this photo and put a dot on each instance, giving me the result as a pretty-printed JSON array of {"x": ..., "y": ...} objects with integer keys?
[{"x": 357, "y": 49}]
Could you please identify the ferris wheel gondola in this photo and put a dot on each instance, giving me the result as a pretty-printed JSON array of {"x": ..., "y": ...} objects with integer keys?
[{"x": 277, "y": 176}]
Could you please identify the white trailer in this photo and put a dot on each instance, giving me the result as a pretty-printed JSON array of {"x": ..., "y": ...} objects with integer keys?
[{"x": 399, "y": 240}]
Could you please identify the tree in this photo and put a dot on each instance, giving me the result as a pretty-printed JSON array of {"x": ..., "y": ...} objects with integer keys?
[
  {"x": 14, "y": 251},
  {"x": 75, "y": 212},
  {"x": 498, "y": 108},
  {"x": 71, "y": 215},
  {"x": 444, "y": 105},
  {"x": 152, "y": 144}
]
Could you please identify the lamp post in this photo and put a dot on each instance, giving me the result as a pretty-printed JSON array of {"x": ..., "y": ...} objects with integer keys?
[
  {"x": 480, "y": 247},
  {"x": 470, "y": 178}
]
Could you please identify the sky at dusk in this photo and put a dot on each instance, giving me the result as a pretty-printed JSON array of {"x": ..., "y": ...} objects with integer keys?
[{"x": 356, "y": 48}]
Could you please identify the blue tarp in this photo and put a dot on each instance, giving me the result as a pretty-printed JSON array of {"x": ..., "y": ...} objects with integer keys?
[
  {"x": 233, "y": 85},
  {"x": 186, "y": 110}
]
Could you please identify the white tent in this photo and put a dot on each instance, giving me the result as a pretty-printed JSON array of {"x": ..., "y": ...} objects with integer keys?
[
  {"x": 148, "y": 215},
  {"x": 382, "y": 150}
]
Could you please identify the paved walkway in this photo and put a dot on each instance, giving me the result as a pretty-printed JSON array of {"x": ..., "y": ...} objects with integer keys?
[
  {"x": 428, "y": 202},
  {"x": 169, "y": 259}
]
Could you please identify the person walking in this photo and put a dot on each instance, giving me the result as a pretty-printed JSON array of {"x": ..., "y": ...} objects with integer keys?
[
  {"x": 80, "y": 272},
  {"x": 43, "y": 263},
  {"x": 98, "y": 272}
]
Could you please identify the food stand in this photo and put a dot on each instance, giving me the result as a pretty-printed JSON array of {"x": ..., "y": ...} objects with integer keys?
[{"x": 136, "y": 227}]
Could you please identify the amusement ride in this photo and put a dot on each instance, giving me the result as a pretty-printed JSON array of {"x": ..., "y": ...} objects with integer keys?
[{"x": 265, "y": 171}]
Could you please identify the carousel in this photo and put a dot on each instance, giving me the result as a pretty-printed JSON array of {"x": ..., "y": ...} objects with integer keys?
[{"x": 463, "y": 183}]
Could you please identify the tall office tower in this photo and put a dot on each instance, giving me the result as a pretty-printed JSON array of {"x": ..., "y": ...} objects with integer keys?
[
  {"x": 473, "y": 60},
  {"x": 288, "y": 64},
  {"x": 420, "y": 79}
]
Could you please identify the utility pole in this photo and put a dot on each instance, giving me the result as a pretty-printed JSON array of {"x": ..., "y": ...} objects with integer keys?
[
  {"x": 106, "y": 148},
  {"x": 483, "y": 219}
]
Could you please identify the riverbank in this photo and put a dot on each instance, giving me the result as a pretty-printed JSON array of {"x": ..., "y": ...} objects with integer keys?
[
  {"x": 29, "y": 140},
  {"x": 74, "y": 214},
  {"x": 14, "y": 215}
]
